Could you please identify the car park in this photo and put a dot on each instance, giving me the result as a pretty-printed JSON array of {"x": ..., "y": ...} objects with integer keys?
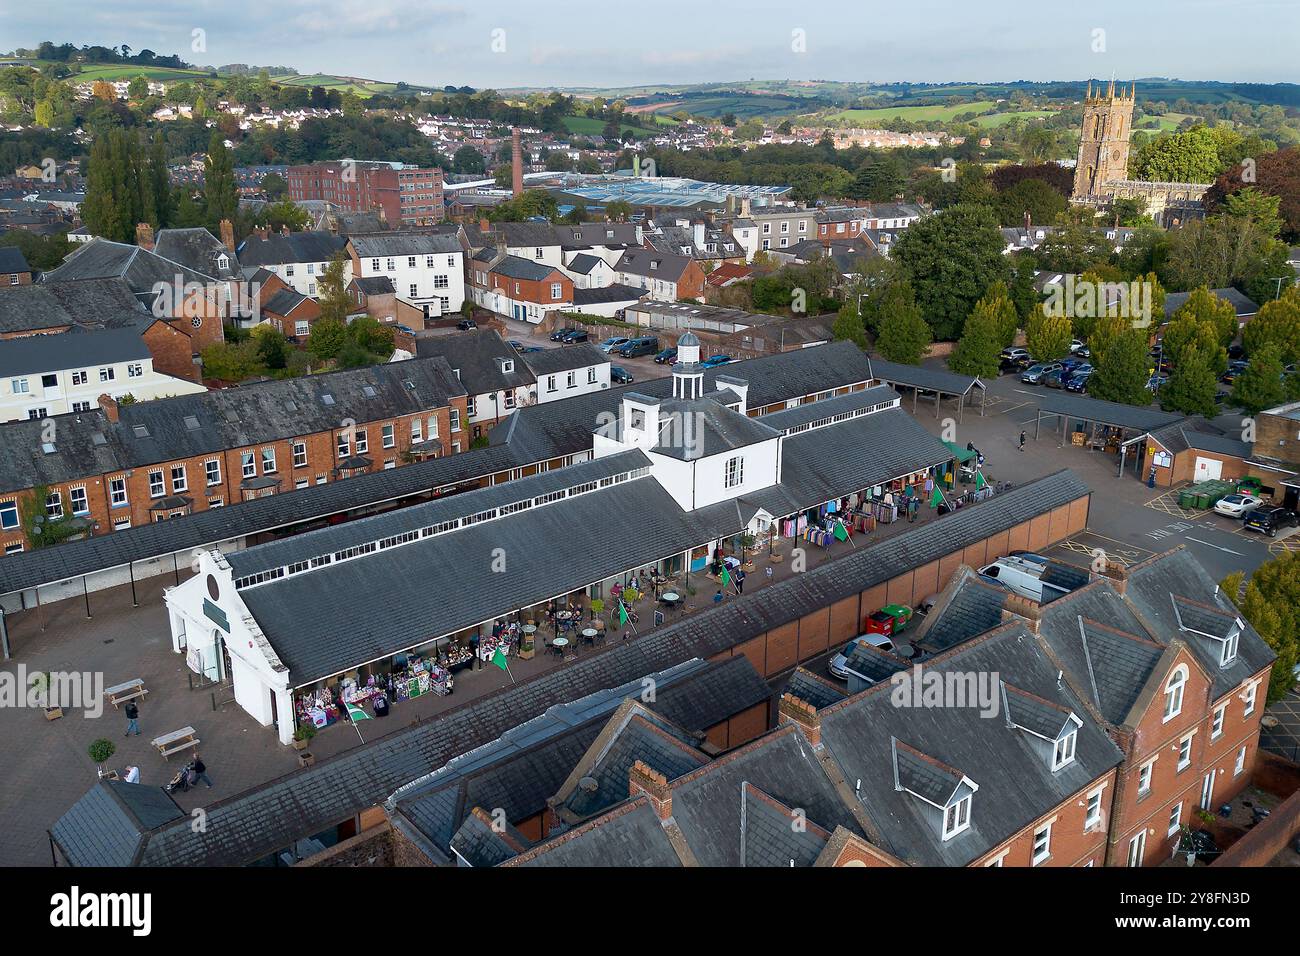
[
  {"x": 1269, "y": 520},
  {"x": 1235, "y": 369},
  {"x": 1034, "y": 374},
  {"x": 619, "y": 375},
  {"x": 1237, "y": 505},
  {"x": 713, "y": 361},
  {"x": 666, "y": 357}
]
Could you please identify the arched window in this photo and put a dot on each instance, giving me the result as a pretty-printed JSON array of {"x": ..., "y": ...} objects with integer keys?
[{"x": 1174, "y": 692}]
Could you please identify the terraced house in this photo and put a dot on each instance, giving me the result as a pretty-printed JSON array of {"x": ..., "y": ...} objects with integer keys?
[{"x": 116, "y": 466}]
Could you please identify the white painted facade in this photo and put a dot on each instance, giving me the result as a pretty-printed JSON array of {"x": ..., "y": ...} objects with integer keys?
[
  {"x": 303, "y": 277},
  {"x": 433, "y": 281},
  {"x": 60, "y": 391},
  {"x": 553, "y": 386}
]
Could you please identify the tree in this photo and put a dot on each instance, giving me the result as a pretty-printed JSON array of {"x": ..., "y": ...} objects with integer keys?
[
  {"x": 277, "y": 215},
  {"x": 274, "y": 186},
  {"x": 1023, "y": 292},
  {"x": 272, "y": 347},
  {"x": 1260, "y": 385},
  {"x": 1276, "y": 174},
  {"x": 977, "y": 350},
  {"x": 1271, "y": 605},
  {"x": 138, "y": 88},
  {"x": 1188, "y": 157},
  {"x": 1277, "y": 324},
  {"x": 1129, "y": 210},
  {"x": 503, "y": 176},
  {"x": 1032, "y": 197},
  {"x": 904, "y": 335},
  {"x": 1119, "y": 360},
  {"x": 220, "y": 194},
  {"x": 951, "y": 258},
  {"x": 331, "y": 293},
  {"x": 1204, "y": 306},
  {"x": 1192, "y": 384},
  {"x": 468, "y": 160},
  {"x": 326, "y": 339},
  {"x": 231, "y": 362},
  {"x": 1259, "y": 207},
  {"x": 997, "y": 302},
  {"x": 1048, "y": 336},
  {"x": 848, "y": 325}
]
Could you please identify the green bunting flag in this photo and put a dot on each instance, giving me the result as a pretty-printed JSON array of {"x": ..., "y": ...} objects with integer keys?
[
  {"x": 356, "y": 713},
  {"x": 725, "y": 578},
  {"x": 841, "y": 532},
  {"x": 622, "y": 614},
  {"x": 936, "y": 499},
  {"x": 499, "y": 658},
  {"x": 979, "y": 479}
]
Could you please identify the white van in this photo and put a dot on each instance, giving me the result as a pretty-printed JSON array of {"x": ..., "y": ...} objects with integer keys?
[{"x": 1023, "y": 576}]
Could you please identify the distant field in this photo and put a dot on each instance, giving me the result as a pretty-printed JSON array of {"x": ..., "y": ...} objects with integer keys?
[
  {"x": 1001, "y": 119},
  {"x": 586, "y": 126},
  {"x": 1165, "y": 123},
  {"x": 914, "y": 114},
  {"x": 742, "y": 104},
  {"x": 126, "y": 71}
]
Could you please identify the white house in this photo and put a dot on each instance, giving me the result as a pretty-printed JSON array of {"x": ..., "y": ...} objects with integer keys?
[
  {"x": 298, "y": 258},
  {"x": 426, "y": 269},
  {"x": 43, "y": 375}
]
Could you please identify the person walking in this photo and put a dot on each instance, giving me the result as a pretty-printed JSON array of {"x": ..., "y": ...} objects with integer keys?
[
  {"x": 1022, "y": 439},
  {"x": 739, "y": 578},
  {"x": 200, "y": 771},
  {"x": 132, "y": 714}
]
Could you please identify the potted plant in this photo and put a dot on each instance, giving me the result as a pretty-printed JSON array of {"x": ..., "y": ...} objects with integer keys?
[
  {"x": 526, "y": 647},
  {"x": 40, "y": 684},
  {"x": 101, "y": 752},
  {"x": 302, "y": 736},
  {"x": 747, "y": 542}
]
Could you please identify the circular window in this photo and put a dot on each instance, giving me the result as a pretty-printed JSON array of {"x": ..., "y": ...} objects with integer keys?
[
  {"x": 214, "y": 592},
  {"x": 197, "y": 321}
]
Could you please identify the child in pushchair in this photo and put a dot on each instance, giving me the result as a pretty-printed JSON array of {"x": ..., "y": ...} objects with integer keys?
[{"x": 185, "y": 778}]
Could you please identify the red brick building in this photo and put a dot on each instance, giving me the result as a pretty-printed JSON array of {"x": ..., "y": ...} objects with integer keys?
[{"x": 410, "y": 196}]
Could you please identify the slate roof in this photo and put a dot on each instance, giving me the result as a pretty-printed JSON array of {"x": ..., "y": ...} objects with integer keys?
[
  {"x": 375, "y": 285},
  {"x": 275, "y": 250},
  {"x": 196, "y": 249},
  {"x": 1012, "y": 772},
  {"x": 610, "y": 293},
  {"x": 707, "y": 803},
  {"x": 381, "y": 244},
  {"x": 1241, "y": 304},
  {"x": 919, "y": 376},
  {"x": 968, "y": 607},
  {"x": 1107, "y": 413},
  {"x": 142, "y": 270},
  {"x": 582, "y": 263},
  {"x": 480, "y": 843},
  {"x": 595, "y": 234},
  {"x": 1179, "y": 437},
  {"x": 815, "y": 690},
  {"x": 110, "y": 825},
  {"x": 653, "y": 264},
  {"x": 517, "y": 235},
  {"x": 872, "y": 663},
  {"x": 554, "y": 429},
  {"x": 261, "y": 821},
  {"x": 517, "y": 267},
  {"x": 476, "y": 356},
  {"x": 564, "y": 358},
  {"x": 1150, "y": 585},
  {"x": 283, "y": 302},
  {"x": 12, "y": 261},
  {"x": 691, "y": 430},
  {"x": 34, "y": 354},
  {"x": 628, "y": 836},
  {"x": 773, "y": 834},
  {"x": 92, "y": 303}
]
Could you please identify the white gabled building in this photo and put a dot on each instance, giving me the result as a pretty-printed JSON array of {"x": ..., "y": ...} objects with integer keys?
[{"x": 425, "y": 269}]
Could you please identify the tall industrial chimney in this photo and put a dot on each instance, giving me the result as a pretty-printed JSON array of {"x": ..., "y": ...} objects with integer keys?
[{"x": 517, "y": 161}]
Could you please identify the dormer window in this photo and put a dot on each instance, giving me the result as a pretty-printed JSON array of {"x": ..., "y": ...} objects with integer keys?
[
  {"x": 1174, "y": 692},
  {"x": 1228, "y": 650},
  {"x": 956, "y": 817},
  {"x": 223, "y": 261},
  {"x": 654, "y": 264},
  {"x": 507, "y": 365},
  {"x": 1063, "y": 753}
]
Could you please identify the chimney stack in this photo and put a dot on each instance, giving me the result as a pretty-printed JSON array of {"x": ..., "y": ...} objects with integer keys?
[
  {"x": 1027, "y": 612},
  {"x": 1029, "y": 221},
  {"x": 795, "y": 710},
  {"x": 517, "y": 162},
  {"x": 109, "y": 406},
  {"x": 1118, "y": 576},
  {"x": 228, "y": 235},
  {"x": 645, "y": 779},
  {"x": 484, "y": 225},
  {"x": 144, "y": 236}
]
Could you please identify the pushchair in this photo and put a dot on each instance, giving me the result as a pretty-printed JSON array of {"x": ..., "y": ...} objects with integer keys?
[{"x": 185, "y": 778}]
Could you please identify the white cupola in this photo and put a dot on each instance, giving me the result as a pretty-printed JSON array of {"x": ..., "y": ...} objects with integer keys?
[{"x": 688, "y": 377}]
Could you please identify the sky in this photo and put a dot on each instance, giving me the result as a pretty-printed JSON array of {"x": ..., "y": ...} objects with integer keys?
[{"x": 605, "y": 43}]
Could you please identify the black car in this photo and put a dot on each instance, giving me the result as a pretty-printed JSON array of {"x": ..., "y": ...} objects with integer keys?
[
  {"x": 574, "y": 335},
  {"x": 1270, "y": 520},
  {"x": 666, "y": 357},
  {"x": 559, "y": 334},
  {"x": 619, "y": 375},
  {"x": 466, "y": 325}
]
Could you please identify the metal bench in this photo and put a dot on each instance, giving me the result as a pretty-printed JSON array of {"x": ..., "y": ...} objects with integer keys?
[
  {"x": 121, "y": 693},
  {"x": 176, "y": 741}
]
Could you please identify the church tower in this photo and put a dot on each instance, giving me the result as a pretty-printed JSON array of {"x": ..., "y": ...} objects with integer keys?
[{"x": 1103, "y": 147}]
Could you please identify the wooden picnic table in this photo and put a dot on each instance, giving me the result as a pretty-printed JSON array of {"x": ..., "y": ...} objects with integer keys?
[
  {"x": 176, "y": 741},
  {"x": 121, "y": 693}
]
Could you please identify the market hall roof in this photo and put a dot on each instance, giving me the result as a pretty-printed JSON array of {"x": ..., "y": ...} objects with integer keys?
[
  {"x": 928, "y": 379},
  {"x": 260, "y": 821},
  {"x": 1086, "y": 409}
]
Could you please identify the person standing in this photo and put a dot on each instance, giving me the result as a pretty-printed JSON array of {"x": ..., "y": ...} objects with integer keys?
[
  {"x": 1022, "y": 439},
  {"x": 132, "y": 714},
  {"x": 739, "y": 578},
  {"x": 200, "y": 771}
]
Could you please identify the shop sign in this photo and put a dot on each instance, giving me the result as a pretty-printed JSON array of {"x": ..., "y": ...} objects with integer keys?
[{"x": 216, "y": 615}]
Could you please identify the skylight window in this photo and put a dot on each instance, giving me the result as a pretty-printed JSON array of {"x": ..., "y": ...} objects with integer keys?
[
  {"x": 191, "y": 423},
  {"x": 140, "y": 431},
  {"x": 327, "y": 399}
]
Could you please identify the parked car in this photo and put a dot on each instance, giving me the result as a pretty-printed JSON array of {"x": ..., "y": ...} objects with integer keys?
[
  {"x": 713, "y": 361},
  {"x": 1156, "y": 381},
  {"x": 404, "y": 328},
  {"x": 1085, "y": 353},
  {"x": 1076, "y": 345},
  {"x": 666, "y": 356},
  {"x": 1034, "y": 374},
  {"x": 619, "y": 375},
  {"x": 1010, "y": 358},
  {"x": 632, "y": 348},
  {"x": 613, "y": 342},
  {"x": 1270, "y": 521},
  {"x": 465, "y": 325},
  {"x": 1234, "y": 370},
  {"x": 559, "y": 334},
  {"x": 574, "y": 335},
  {"x": 1055, "y": 379},
  {"x": 1071, "y": 362},
  {"x": 1237, "y": 506},
  {"x": 838, "y": 665},
  {"x": 1023, "y": 577},
  {"x": 1079, "y": 381}
]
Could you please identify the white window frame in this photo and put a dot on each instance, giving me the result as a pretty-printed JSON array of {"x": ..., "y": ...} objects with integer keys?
[
  {"x": 268, "y": 460},
  {"x": 160, "y": 485},
  {"x": 343, "y": 445},
  {"x": 212, "y": 471},
  {"x": 117, "y": 496},
  {"x": 362, "y": 441},
  {"x": 1185, "y": 751},
  {"x": 1146, "y": 773},
  {"x": 1216, "y": 725},
  {"x": 1093, "y": 809},
  {"x": 248, "y": 464},
  {"x": 299, "y": 449},
  {"x": 54, "y": 505},
  {"x": 1241, "y": 761},
  {"x": 388, "y": 436},
  {"x": 1137, "y": 847},
  {"x": 734, "y": 472},
  {"x": 183, "y": 484},
  {"x": 1175, "y": 818},
  {"x": 1174, "y": 688},
  {"x": 1063, "y": 751},
  {"x": 1248, "y": 698},
  {"x": 1037, "y": 854},
  {"x": 956, "y": 817}
]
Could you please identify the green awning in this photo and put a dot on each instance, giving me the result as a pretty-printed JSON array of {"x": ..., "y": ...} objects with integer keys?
[{"x": 961, "y": 454}]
